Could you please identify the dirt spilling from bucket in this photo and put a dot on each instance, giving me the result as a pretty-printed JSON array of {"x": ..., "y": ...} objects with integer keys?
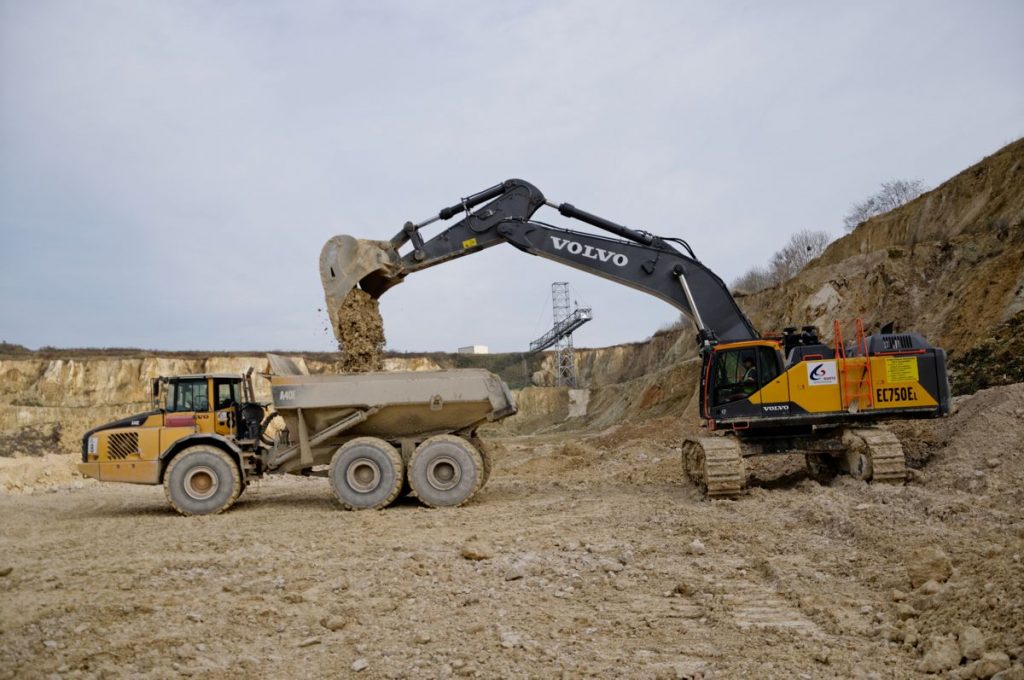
[{"x": 360, "y": 333}]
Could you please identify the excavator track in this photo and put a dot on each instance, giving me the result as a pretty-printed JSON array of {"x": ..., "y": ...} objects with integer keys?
[
  {"x": 716, "y": 465},
  {"x": 876, "y": 455}
]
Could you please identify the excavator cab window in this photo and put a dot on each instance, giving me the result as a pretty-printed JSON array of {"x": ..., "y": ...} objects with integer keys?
[
  {"x": 769, "y": 364},
  {"x": 739, "y": 373}
]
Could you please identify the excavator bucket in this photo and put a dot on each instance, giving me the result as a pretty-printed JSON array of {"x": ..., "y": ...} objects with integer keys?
[{"x": 347, "y": 262}]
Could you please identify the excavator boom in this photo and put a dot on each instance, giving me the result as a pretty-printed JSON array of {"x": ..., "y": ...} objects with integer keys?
[{"x": 503, "y": 214}]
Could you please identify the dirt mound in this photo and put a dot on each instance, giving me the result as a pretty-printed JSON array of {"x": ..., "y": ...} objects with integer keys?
[
  {"x": 974, "y": 476},
  {"x": 360, "y": 333},
  {"x": 39, "y": 473}
]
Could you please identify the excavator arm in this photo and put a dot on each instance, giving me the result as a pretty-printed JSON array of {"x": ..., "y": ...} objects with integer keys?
[{"x": 503, "y": 214}]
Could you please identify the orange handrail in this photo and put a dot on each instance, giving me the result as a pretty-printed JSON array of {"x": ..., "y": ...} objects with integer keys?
[{"x": 847, "y": 395}]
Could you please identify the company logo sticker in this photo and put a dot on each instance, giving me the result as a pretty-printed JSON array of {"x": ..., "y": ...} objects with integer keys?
[{"x": 821, "y": 373}]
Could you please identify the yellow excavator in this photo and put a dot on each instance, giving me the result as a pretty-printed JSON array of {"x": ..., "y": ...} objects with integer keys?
[{"x": 759, "y": 394}]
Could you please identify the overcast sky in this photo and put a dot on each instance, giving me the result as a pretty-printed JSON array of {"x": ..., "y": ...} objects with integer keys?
[{"x": 170, "y": 170}]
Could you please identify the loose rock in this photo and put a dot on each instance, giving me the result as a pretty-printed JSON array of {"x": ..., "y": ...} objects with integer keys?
[
  {"x": 990, "y": 664},
  {"x": 333, "y": 623},
  {"x": 514, "y": 573},
  {"x": 476, "y": 552},
  {"x": 929, "y": 564},
  {"x": 943, "y": 653},
  {"x": 972, "y": 643}
]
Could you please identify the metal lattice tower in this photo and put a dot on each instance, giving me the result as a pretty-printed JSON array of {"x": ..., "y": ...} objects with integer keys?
[
  {"x": 560, "y": 336},
  {"x": 565, "y": 356}
]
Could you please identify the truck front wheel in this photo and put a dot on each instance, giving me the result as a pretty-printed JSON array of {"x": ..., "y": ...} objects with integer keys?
[{"x": 202, "y": 480}]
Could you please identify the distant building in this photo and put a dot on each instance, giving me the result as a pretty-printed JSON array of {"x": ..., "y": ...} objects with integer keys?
[{"x": 474, "y": 349}]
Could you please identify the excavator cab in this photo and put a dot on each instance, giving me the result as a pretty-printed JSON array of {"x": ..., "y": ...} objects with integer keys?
[{"x": 734, "y": 376}]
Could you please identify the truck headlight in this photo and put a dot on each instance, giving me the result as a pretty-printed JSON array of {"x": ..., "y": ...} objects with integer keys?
[{"x": 93, "y": 441}]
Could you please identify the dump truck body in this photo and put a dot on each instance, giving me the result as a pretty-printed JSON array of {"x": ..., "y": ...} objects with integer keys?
[
  {"x": 403, "y": 408},
  {"x": 408, "y": 403}
]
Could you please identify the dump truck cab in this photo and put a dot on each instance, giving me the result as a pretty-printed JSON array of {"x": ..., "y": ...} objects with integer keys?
[
  {"x": 212, "y": 409},
  {"x": 208, "y": 402}
]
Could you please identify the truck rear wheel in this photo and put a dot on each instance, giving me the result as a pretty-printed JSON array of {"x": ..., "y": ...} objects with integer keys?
[
  {"x": 446, "y": 471},
  {"x": 485, "y": 456},
  {"x": 366, "y": 473},
  {"x": 202, "y": 480}
]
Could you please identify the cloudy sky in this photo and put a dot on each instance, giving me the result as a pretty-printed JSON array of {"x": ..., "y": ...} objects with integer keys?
[{"x": 170, "y": 170}]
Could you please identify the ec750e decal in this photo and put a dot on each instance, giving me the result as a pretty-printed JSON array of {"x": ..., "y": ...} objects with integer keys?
[{"x": 890, "y": 394}]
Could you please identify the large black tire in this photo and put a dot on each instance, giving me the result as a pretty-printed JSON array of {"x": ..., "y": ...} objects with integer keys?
[
  {"x": 202, "y": 480},
  {"x": 366, "y": 473},
  {"x": 445, "y": 471},
  {"x": 485, "y": 455}
]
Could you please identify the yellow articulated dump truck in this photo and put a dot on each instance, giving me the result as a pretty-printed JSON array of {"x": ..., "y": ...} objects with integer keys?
[{"x": 379, "y": 435}]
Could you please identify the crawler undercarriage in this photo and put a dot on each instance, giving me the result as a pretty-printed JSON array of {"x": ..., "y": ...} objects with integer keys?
[{"x": 871, "y": 454}]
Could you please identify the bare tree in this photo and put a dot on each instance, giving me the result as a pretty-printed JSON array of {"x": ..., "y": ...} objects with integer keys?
[
  {"x": 892, "y": 195},
  {"x": 755, "y": 279},
  {"x": 801, "y": 248}
]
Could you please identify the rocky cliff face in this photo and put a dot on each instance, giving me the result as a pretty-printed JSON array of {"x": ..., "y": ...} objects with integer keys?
[
  {"x": 621, "y": 363},
  {"x": 948, "y": 264},
  {"x": 623, "y": 383}
]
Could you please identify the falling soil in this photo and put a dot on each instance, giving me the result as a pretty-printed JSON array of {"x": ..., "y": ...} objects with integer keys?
[{"x": 360, "y": 333}]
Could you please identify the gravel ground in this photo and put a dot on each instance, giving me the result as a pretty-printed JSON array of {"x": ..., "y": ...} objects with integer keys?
[{"x": 584, "y": 556}]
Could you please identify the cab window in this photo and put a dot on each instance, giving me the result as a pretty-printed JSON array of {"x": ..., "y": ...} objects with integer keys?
[
  {"x": 191, "y": 395},
  {"x": 226, "y": 393},
  {"x": 769, "y": 364},
  {"x": 739, "y": 373},
  {"x": 735, "y": 375}
]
